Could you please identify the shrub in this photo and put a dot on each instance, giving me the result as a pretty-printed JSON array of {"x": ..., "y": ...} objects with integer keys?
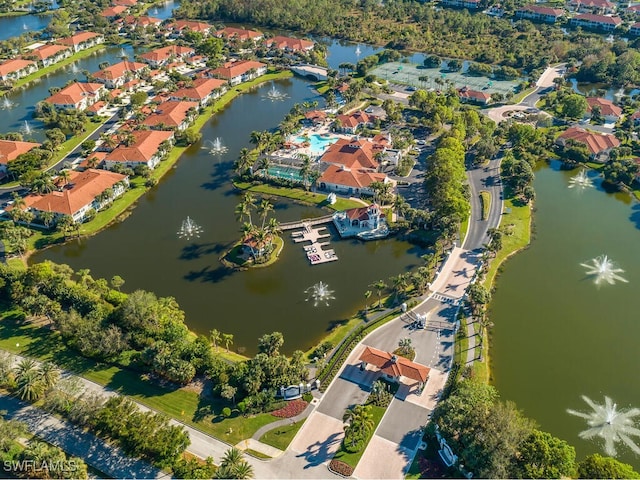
[
  {"x": 307, "y": 397},
  {"x": 341, "y": 468},
  {"x": 226, "y": 412},
  {"x": 242, "y": 407}
]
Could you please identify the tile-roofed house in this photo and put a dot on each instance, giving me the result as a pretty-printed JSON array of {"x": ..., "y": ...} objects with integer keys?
[
  {"x": 79, "y": 195},
  {"x": 395, "y": 366},
  {"x": 599, "y": 144},
  {"x": 352, "y": 154},
  {"x": 125, "y": 3},
  {"x": 239, "y": 34},
  {"x": 171, "y": 115},
  {"x": 352, "y": 122},
  {"x": 78, "y": 96},
  {"x": 350, "y": 181},
  {"x": 180, "y": 25},
  {"x": 610, "y": 111},
  {"x": 539, "y": 13},
  {"x": 143, "y": 21},
  {"x": 160, "y": 56},
  {"x": 474, "y": 96},
  {"x": 16, "y": 68},
  {"x": 96, "y": 108},
  {"x": 469, "y": 4},
  {"x": 635, "y": 29},
  {"x": 592, "y": 6},
  {"x": 202, "y": 90},
  {"x": 49, "y": 54},
  {"x": 289, "y": 44},
  {"x": 596, "y": 22},
  {"x": 315, "y": 117},
  {"x": 10, "y": 150},
  {"x": 82, "y": 40},
  {"x": 239, "y": 71},
  {"x": 145, "y": 149},
  {"x": 117, "y": 74},
  {"x": 112, "y": 12}
]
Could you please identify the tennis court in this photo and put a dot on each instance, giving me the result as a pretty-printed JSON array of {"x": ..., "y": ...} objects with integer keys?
[{"x": 410, "y": 74}]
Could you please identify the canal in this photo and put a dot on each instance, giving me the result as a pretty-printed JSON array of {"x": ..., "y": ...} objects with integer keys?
[
  {"x": 145, "y": 250},
  {"x": 557, "y": 335}
]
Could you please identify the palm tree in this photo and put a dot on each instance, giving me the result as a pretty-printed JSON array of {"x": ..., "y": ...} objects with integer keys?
[
  {"x": 64, "y": 176},
  {"x": 232, "y": 458},
  {"x": 263, "y": 210},
  {"x": 367, "y": 295},
  {"x": 43, "y": 184},
  {"x": 305, "y": 171},
  {"x": 30, "y": 385},
  {"x": 227, "y": 338},
  {"x": 243, "y": 470},
  {"x": 360, "y": 423},
  {"x": 379, "y": 286},
  {"x": 49, "y": 374},
  {"x": 244, "y": 161},
  {"x": 399, "y": 286},
  {"x": 47, "y": 218},
  {"x": 215, "y": 337}
]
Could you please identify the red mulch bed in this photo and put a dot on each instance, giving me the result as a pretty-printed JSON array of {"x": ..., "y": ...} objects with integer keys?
[
  {"x": 341, "y": 468},
  {"x": 432, "y": 468},
  {"x": 293, "y": 408}
]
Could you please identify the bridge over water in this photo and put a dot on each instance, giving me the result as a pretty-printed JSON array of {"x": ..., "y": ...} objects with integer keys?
[
  {"x": 313, "y": 72},
  {"x": 309, "y": 221}
]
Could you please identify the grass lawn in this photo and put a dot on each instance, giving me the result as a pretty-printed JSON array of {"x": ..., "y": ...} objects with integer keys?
[
  {"x": 16, "y": 262},
  {"x": 464, "y": 228},
  {"x": 237, "y": 428},
  {"x": 257, "y": 454},
  {"x": 338, "y": 333},
  {"x": 281, "y": 437},
  {"x": 520, "y": 96},
  {"x": 518, "y": 222},
  {"x": 485, "y": 202},
  {"x": 352, "y": 459}
]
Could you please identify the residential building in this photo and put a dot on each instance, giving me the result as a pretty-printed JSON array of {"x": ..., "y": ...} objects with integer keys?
[
  {"x": 179, "y": 25},
  {"x": 10, "y": 150},
  {"x": 635, "y": 30},
  {"x": 608, "y": 110},
  {"x": 598, "y": 144},
  {"x": 80, "y": 194},
  {"x": 202, "y": 91},
  {"x": 474, "y": 96},
  {"x": 81, "y": 41},
  {"x": 145, "y": 150},
  {"x": 172, "y": 115},
  {"x": 592, "y": 21},
  {"x": 289, "y": 44},
  {"x": 17, "y": 68},
  {"x": 592, "y": 6},
  {"x": 315, "y": 117},
  {"x": 116, "y": 75},
  {"x": 240, "y": 34},
  {"x": 239, "y": 71},
  {"x": 143, "y": 21},
  {"x": 353, "y": 154},
  {"x": 348, "y": 181},
  {"x": 353, "y": 122},
  {"x": 367, "y": 223},
  {"x": 468, "y": 4},
  {"x": 125, "y": 3},
  {"x": 78, "y": 96},
  {"x": 538, "y": 13},
  {"x": 161, "y": 56},
  {"x": 112, "y": 13},
  {"x": 49, "y": 54}
]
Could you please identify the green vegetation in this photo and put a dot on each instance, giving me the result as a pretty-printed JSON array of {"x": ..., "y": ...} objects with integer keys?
[
  {"x": 352, "y": 456},
  {"x": 485, "y": 202},
  {"x": 281, "y": 437},
  {"x": 257, "y": 454}
]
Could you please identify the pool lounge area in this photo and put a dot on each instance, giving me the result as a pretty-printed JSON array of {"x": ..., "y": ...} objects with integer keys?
[{"x": 318, "y": 143}]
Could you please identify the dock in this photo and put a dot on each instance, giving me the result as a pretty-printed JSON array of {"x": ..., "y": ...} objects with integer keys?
[{"x": 315, "y": 250}]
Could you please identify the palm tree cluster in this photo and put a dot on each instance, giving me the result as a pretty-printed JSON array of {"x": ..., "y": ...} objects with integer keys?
[
  {"x": 31, "y": 380},
  {"x": 233, "y": 465},
  {"x": 360, "y": 423},
  {"x": 258, "y": 236}
]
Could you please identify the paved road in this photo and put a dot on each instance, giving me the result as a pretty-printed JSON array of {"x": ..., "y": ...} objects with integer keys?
[{"x": 77, "y": 442}]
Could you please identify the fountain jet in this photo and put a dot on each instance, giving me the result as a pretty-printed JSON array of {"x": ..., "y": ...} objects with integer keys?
[
  {"x": 216, "y": 147},
  {"x": 319, "y": 294},
  {"x": 581, "y": 180},
  {"x": 275, "y": 95},
  {"x": 602, "y": 269},
  {"x": 189, "y": 229}
]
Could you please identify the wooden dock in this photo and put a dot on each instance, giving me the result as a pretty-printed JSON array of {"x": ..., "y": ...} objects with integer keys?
[{"x": 315, "y": 251}]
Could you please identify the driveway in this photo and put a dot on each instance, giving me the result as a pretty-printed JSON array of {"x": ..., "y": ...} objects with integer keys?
[
  {"x": 402, "y": 423},
  {"x": 344, "y": 394}
]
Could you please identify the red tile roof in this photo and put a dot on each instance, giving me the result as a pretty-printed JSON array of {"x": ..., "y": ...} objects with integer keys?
[
  {"x": 289, "y": 43},
  {"x": 49, "y": 50},
  {"x": 193, "y": 26},
  {"x": 117, "y": 70},
  {"x": 352, "y": 154},
  {"x": 607, "y": 107},
  {"x": 200, "y": 89},
  {"x": 356, "y": 178},
  {"x": 355, "y": 119},
  {"x": 539, "y": 9},
  {"x": 165, "y": 53},
  {"x": 14, "y": 65},
  {"x": 78, "y": 38},
  {"x": 143, "y": 149},
  {"x": 593, "y": 3},
  {"x": 170, "y": 114},
  {"x": 74, "y": 93},
  {"x": 591, "y": 17},
  {"x": 113, "y": 11},
  {"x": 81, "y": 190},
  {"x": 234, "y": 69},
  {"x": 595, "y": 142},
  {"x": 239, "y": 33},
  {"x": 395, "y": 365},
  {"x": 10, "y": 149},
  {"x": 126, "y": 3},
  {"x": 467, "y": 93}
]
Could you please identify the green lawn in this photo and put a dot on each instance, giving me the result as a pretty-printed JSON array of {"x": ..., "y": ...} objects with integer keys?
[
  {"x": 281, "y": 437},
  {"x": 485, "y": 202},
  {"x": 352, "y": 459},
  {"x": 518, "y": 223}
]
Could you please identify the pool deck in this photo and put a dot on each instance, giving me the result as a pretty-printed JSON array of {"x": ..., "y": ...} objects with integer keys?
[{"x": 315, "y": 252}]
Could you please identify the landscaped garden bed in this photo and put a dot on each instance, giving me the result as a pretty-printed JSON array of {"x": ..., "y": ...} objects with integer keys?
[{"x": 291, "y": 409}]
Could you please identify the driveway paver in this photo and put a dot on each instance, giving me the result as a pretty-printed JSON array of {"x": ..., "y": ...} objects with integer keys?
[
  {"x": 383, "y": 459},
  {"x": 319, "y": 439},
  {"x": 342, "y": 395}
]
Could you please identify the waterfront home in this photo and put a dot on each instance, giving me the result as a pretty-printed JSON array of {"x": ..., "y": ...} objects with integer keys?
[
  {"x": 353, "y": 154},
  {"x": 353, "y": 122},
  {"x": 289, "y": 44},
  {"x": 395, "y": 367},
  {"x": 202, "y": 91},
  {"x": 142, "y": 21},
  {"x": 179, "y": 26},
  {"x": 468, "y": 4},
  {"x": 239, "y": 34},
  {"x": 172, "y": 115},
  {"x": 112, "y": 13},
  {"x": 592, "y": 21},
  {"x": 538, "y": 13},
  {"x": 608, "y": 110},
  {"x": 16, "y": 68},
  {"x": 350, "y": 181},
  {"x": 116, "y": 75},
  {"x": 81, "y": 41},
  {"x": 467, "y": 95},
  {"x": 598, "y": 144},
  {"x": 144, "y": 150},
  {"x": 90, "y": 189},
  {"x": 239, "y": 71},
  {"x": 125, "y": 3},
  {"x": 315, "y": 118},
  {"x": 161, "y": 56},
  {"x": 10, "y": 150},
  {"x": 78, "y": 96},
  {"x": 592, "y": 6},
  {"x": 49, "y": 54}
]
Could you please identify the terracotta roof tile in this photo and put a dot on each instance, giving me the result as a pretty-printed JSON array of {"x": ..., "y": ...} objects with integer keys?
[
  {"x": 171, "y": 113},
  {"x": 395, "y": 365},
  {"x": 14, "y": 65},
  {"x": 10, "y": 149},
  {"x": 352, "y": 154},
  {"x": 143, "y": 149}
]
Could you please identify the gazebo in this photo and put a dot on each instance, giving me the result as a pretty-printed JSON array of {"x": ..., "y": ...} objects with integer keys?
[{"x": 394, "y": 366}]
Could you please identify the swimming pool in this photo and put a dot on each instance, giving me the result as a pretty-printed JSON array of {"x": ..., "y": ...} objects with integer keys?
[
  {"x": 318, "y": 143},
  {"x": 286, "y": 173}
]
